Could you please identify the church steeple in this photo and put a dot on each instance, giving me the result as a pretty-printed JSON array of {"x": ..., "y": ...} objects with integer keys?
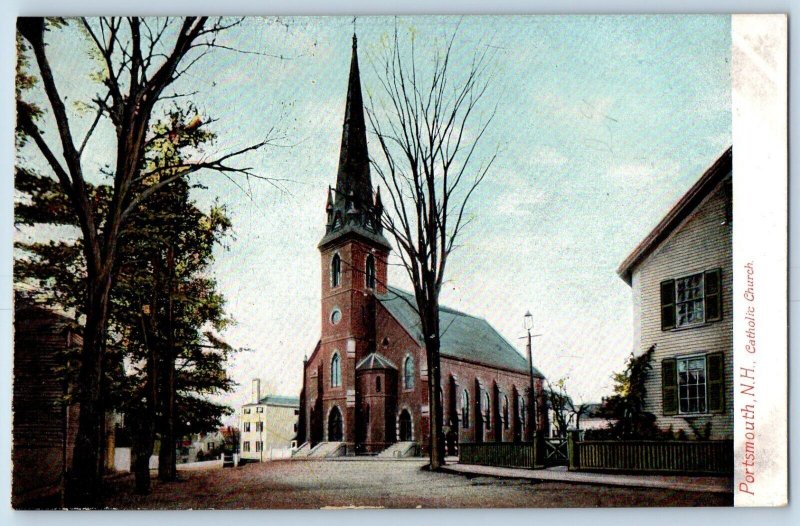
[
  {"x": 353, "y": 177},
  {"x": 353, "y": 207}
]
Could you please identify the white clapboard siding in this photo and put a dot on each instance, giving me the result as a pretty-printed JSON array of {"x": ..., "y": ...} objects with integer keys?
[{"x": 701, "y": 243}]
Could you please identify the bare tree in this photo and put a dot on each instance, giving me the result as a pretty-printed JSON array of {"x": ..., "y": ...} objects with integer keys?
[
  {"x": 428, "y": 126},
  {"x": 565, "y": 412},
  {"x": 142, "y": 60}
]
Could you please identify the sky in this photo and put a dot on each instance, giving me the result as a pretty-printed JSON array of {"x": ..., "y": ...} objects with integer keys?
[{"x": 601, "y": 124}]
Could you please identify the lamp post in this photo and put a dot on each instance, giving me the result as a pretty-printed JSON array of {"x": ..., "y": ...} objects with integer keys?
[{"x": 528, "y": 322}]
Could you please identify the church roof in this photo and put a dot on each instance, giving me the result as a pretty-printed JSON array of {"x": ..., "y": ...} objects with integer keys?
[
  {"x": 374, "y": 361},
  {"x": 464, "y": 337}
]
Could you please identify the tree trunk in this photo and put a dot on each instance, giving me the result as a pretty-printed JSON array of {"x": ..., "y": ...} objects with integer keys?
[
  {"x": 145, "y": 422},
  {"x": 84, "y": 485},
  {"x": 166, "y": 456},
  {"x": 143, "y": 444},
  {"x": 432, "y": 347},
  {"x": 167, "y": 470}
]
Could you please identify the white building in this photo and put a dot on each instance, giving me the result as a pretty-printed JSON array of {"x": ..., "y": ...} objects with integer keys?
[
  {"x": 681, "y": 279},
  {"x": 268, "y": 425}
]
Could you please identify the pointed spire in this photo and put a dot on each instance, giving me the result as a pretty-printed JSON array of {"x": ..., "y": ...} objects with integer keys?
[
  {"x": 353, "y": 176},
  {"x": 378, "y": 205},
  {"x": 350, "y": 206}
]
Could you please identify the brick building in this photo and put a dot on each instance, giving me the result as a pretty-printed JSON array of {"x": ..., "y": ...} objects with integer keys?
[
  {"x": 366, "y": 382},
  {"x": 45, "y": 424}
]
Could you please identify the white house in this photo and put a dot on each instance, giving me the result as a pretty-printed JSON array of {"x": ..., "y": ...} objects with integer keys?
[{"x": 681, "y": 278}]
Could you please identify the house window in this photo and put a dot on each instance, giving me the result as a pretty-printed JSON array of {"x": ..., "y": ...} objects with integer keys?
[
  {"x": 336, "y": 371},
  {"x": 259, "y": 409},
  {"x": 506, "y": 423},
  {"x": 259, "y": 446},
  {"x": 465, "y": 409},
  {"x": 408, "y": 373},
  {"x": 246, "y": 427},
  {"x": 378, "y": 384},
  {"x": 370, "y": 272},
  {"x": 692, "y": 384},
  {"x": 259, "y": 427},
  {"x": 691, "y": 300},
  {"x": 336, "y": 270},
  {"x": 247, "y": 411},
  {"x": 210, "y": 446},
  {"x": 246, "y": 446}
]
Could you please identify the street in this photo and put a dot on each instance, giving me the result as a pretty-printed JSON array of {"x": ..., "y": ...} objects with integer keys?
[{"x": 374, "y": 483}]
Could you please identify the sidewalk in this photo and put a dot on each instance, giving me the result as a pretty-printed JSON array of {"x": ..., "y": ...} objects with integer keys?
[{"x": 560, "y": 474}]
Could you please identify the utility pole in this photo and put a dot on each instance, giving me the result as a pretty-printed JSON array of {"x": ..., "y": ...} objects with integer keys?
[{"x": 532, "y": 393}]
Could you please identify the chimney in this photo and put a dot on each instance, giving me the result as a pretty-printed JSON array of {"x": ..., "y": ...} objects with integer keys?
[{"x": 256, "y": 390}]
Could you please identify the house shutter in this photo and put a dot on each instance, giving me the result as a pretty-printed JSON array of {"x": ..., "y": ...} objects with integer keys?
[
  {"x": 667, "y": 304},
  {"x": 669, "y": 386},
  {"x": 715, "y": 364},
  {"x": 713, "y": 294}
]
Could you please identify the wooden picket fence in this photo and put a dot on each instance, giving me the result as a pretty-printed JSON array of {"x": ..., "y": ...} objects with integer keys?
[
  {"x": 710, "y": 457},
  {"x": 503, "y": 454}
]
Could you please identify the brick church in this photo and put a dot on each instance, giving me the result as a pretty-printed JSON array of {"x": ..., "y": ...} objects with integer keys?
[{"x": 365, "y": 385}]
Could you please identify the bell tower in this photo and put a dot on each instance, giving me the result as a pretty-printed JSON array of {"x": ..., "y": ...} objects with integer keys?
[{"x": 353, "y": 254}]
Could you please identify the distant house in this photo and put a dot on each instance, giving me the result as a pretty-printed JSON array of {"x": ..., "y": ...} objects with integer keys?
[
  {"x": 591, "y": 417},
  {"x": 268, "y": 425},
  {"x": 560, "y": 408},
  {"x": 45, "y": 423},
  {"x": 681, "y": 277}
]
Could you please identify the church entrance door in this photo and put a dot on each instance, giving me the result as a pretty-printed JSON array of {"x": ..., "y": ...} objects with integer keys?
[
  {"x": 335, "y": 425},
  {"x": 405, "y": 427}
]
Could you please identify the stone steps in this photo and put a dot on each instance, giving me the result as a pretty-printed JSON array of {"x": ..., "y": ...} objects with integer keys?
[{"x": 400, "y": 450}]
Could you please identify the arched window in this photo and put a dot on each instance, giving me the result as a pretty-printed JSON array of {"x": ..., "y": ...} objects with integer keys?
[
  {"x": 336, "y": 370},
  {"x": 378, "y": 384},
  {"x": 485, "y": 407},
  {"x": 336, "y": 270},
  {"x": 408, "y": 373},
  {"x": 370, "y": 272},
  {"x": 506, "y": 423},
  {"x": 522, "y": 412},
  {"x": 465, "y": 409}
]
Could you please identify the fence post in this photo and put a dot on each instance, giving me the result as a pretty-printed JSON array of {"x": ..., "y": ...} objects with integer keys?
[{"x": 572, "y": 450}]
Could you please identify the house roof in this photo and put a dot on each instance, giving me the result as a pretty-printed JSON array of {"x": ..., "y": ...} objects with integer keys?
[
  {"x": 464, "y": 337},
  {"x": 278, "y": 400},
  {"x": 592, "y": 410},
  {"x": 374, "y": 361},
  {"x": 680, "y": 211}
]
